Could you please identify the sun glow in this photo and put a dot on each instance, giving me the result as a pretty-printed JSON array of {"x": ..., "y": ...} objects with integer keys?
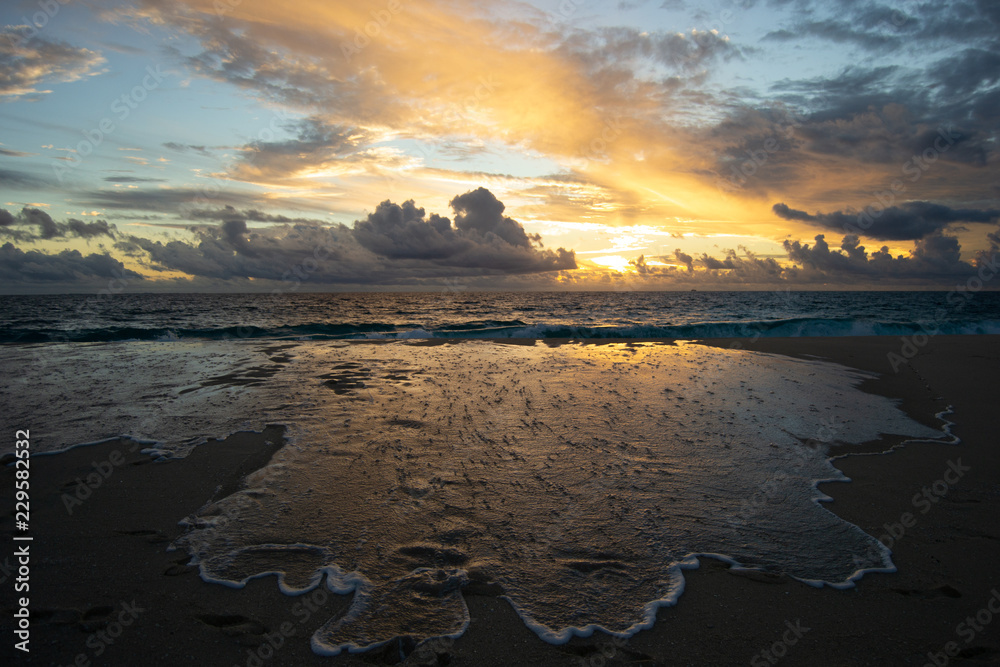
[{"x": 616, "y": 262}]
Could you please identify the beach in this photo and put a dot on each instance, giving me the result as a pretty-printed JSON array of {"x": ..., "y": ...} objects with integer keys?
[{"x": 104, "y": 588}]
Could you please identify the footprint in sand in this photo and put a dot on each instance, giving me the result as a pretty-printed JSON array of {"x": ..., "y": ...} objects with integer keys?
[
  {"x": 95, "y": 618},
  {"x": 930, "y": 594},
  {"x": 180, "y": 566},
  {"x": 152, "y": 536},
  {"x": 55, "y": 616},
  {"x": 246, "y": 630}
]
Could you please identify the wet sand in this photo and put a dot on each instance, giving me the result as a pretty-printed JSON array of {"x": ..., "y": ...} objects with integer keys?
[{"x": 104, "y": 587}]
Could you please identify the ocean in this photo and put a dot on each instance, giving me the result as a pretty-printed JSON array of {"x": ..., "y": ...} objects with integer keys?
[
  {"x": 438, "y": 440},
  {"x": 460, "y": 314}
]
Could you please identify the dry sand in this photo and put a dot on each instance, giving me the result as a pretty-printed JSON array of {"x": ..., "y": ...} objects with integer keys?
[{"x": 112, "y": 552}]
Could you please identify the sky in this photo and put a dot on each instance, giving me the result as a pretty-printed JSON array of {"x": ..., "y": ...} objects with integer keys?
[{"x": 263, "y": 145}]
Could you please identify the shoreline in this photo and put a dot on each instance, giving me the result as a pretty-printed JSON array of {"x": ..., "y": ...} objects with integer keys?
[{"x": 111, "y": 550}]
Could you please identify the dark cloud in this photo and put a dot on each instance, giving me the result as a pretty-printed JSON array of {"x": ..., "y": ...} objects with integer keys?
[
  {"x": 21, "y": 179},
  {"x": 839, "y": 32},
  {"x": 748, "y": 268},
  {"x": 935, "y": 258},
  {"x": 236, "y": 57},
  {"x": 685, "y": 259},
  {"x": 49, "y": 228},
  {"x": 734, "y": 268},
  {"x": 185, "y": 148},
  {"x": 46, "y": 225},
  {"x": 481, "y": 237},
  {"x": 26, "y": 63},
  {"x": 874, "y": 26},
  {"x": 20, "y": 268},
  {"x": 315, "y": 145},
  {"x": 133, "y": 179},
  {"x": 908, "y": 221},
  {"x": 234, "y": 232},
  {"x": 228, "y": 213},
  {"x": 404, "y": 232},
  {"x": 395, "y": 245},
  {"x": 685, "y": 52},
  {"x": 277, "y": 253},
  {"x": 9, "y": 153},
  {"x": 90, "y": 229},
  {"x": 479, "y": 213},
  {"x": 989, "y": 255},
  {"x": 934, "y": 261},
  {"x": 166, "y": 200},
  {"x": 970, "y": 71},
  {"x": 882, "y": 113}
]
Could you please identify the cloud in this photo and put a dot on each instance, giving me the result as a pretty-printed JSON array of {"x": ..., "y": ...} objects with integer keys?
[
  {"x": 185, "y": 148},
  {"x": 970, "y": 71},
  {"x": 21, "y": 179},
  {"x": 481, "y": 237},
  {"x": 934, "y": 261},
  {"x": 989, "y": 255},
  {"x": 69, "y": 267},
  {"x": 684, "y": 259},
  {"x": 317, "y": 145},
  {"x": 49, "y": 228},
  {"x": 394, "y": 245},
  {"x": 403, "y": 232},
  {"x": 839, "y": 32},
  {"x": 9, "y": 153},
  {"x": 27, "y": 63},
  {"x": 935, "y": 258},
  {"x": 90, "y": 229},
  {"x": 133, "y": 179},
  {"x": 230, "y": 213},
  {"x": 685, "y": 52},
  {"x": 875, "y": 27},
  {"x": 479, "y": 213},
  {"x": 166, "y": 199},
  {"x": 908, "y": 221}
]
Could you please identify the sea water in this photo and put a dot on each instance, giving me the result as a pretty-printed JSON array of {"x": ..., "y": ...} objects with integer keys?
[
  {"x": 582, "y": 477},
  {"x": 461, "y": 314}
]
